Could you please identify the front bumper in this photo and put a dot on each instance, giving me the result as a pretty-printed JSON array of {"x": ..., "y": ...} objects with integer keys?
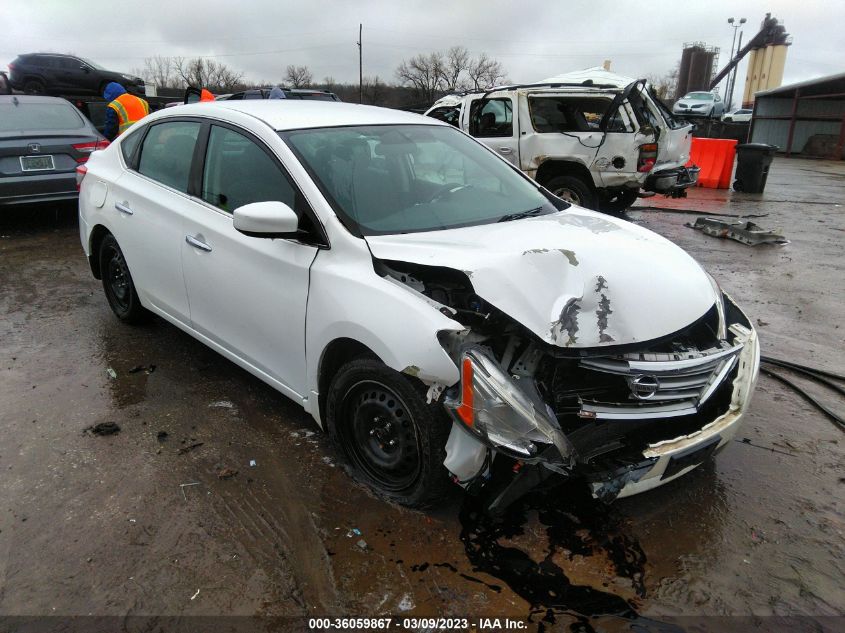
[
  {"x": 669, "y": 181},
  {"x": 660, "y": 461}
]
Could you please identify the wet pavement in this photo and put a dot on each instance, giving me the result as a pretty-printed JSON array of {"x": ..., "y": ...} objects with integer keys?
[{"x": 220, "y": 497}]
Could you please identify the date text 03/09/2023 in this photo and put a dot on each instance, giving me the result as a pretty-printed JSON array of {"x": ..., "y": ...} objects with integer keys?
[{"x": 445, "y": 624}]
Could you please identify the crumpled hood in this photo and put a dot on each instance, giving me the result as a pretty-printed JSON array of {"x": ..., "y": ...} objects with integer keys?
[{"x": 575, "y": 278}]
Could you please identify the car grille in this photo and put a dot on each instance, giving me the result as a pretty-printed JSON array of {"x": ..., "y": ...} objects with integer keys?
[{"x": 659, "y": 385}]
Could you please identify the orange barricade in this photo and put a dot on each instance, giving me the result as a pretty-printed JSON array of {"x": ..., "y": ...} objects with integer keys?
[{"x": 715, "y": 156}]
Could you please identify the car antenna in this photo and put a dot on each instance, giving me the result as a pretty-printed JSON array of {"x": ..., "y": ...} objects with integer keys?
[{"x": 15, "y": 100}]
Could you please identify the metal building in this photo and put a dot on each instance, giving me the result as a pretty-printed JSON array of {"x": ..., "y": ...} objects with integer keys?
[{"x": 805, "y": 118}]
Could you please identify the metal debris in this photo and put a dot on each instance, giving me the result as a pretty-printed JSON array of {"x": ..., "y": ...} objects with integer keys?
[
  {"x": 189, "y": 448},
  {"x": 742, "y": 231},
  {"x": 104, "y": 428}
]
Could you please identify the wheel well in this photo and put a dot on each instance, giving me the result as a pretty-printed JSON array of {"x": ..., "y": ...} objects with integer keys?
[
  {"x": 339, "y": 352},
  {"x": 97, "y": 236},
  {"x": 553, "y": 168}
]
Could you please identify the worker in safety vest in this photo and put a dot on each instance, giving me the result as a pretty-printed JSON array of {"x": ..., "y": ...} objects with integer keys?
[
  {"x": 205, "y": 95},
  {"x": 123, "y": 110}
]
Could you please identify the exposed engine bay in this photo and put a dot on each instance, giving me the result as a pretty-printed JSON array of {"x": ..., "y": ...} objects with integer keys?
[{"x": 595, "y": 413}]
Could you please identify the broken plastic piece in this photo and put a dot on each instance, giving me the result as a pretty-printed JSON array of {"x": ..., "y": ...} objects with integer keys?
[
  {"x": 112, "y": 373},
  {"x": 742, "y": 231}
]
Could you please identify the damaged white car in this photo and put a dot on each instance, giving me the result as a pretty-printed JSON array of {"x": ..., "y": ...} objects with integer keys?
[{"x": 431, "y": 306}]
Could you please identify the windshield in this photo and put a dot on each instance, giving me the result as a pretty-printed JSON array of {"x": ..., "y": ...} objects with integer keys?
[
  {"x": 699, "y": 96},
  {"x": 407, "y": 178},
  {"x": 39, "y": 116}
]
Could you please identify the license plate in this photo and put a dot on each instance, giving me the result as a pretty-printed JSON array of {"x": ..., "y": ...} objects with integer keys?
[
  {"x": 36, "y": 163},
  {"x": 692, "y": 457}
]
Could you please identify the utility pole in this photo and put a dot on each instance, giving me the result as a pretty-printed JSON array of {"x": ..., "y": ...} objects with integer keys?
[
  {"x": 733, "y": 81},
  {"x": 360, "y": 67},
  {"x": 729, "y": 88}
]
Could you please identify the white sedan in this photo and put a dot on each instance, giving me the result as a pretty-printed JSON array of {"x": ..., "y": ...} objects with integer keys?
[{"x": 430, "y": 306}]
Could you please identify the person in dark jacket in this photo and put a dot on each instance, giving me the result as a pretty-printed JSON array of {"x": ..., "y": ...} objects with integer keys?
[{"x": 123, "y": 110}]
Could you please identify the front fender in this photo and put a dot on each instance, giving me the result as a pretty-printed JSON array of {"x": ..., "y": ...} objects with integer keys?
[{"x": 399, "y": 325}]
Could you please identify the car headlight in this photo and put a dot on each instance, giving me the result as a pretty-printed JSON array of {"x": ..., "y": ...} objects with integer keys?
[
  {"x": 497, "y": 410},
  {"x": 720, "y": 307}
]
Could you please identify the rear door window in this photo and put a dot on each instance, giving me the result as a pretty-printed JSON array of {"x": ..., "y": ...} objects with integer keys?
[
  {"x": 167, "y": 152},
  {"x": 556, "y": 114},
  {"x": 128, "y": 145},
  {"x": 491, "y": 118}
]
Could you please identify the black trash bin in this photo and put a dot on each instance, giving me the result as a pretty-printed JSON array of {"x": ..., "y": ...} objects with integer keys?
[{"x": 752, "y": 166}]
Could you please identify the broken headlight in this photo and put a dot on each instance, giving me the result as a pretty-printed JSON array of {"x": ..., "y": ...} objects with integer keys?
[{"x": 497, "y": 410}]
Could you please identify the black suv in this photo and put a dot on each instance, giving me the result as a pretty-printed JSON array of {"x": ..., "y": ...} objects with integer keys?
[{"x": 48, "y": 73}]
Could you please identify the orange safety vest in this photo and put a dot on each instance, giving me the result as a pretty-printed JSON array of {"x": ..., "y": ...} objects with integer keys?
[{"x": 129, "y": 109}]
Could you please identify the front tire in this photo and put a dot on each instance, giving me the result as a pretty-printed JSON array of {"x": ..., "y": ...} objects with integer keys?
[
  {"x": 573, "y": 189},
  {"x": 118, "y": 285},
  {"x": 394, "y": 441}
]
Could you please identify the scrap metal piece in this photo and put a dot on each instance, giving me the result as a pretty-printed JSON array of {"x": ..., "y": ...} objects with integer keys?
[{"x": 739, "y": 230}]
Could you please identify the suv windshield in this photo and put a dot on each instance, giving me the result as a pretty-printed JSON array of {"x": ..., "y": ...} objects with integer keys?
[{"x": 408, "y": 178}]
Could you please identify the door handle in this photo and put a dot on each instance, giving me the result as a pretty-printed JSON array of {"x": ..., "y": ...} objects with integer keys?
[
  {"x": 197, "y": 243},
  {"x": 505, "y": 150},
  {"x": 123, "y": 208}
]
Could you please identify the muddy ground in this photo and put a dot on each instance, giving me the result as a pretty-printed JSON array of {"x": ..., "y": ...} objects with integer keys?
[{"x": 139, "y": 523}]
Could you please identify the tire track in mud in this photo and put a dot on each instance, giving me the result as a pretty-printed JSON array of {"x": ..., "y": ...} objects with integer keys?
[{"x": 282, "y": 538}]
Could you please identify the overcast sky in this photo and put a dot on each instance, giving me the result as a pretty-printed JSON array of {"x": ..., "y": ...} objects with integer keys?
[{"x": 533, "y": 39}]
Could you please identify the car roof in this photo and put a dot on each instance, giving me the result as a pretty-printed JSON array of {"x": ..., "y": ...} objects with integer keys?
[
  {"x": 33, "y": 99},
  {"x": 293, "y": 114}
]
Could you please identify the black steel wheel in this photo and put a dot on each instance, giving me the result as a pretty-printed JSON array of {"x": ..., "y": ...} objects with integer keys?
[
  {"x": 392, "y": 439},
  {"x": 117, "y": 283}
]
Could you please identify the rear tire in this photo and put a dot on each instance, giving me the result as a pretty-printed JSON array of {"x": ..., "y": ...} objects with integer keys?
[
  {"x": 394, "y": 441},
  {"x": 34, "y": 87},
  {"x": 118, "y": 285},
  {"x": 619, "y": 202},
  {"x": 573, "y": 189}
]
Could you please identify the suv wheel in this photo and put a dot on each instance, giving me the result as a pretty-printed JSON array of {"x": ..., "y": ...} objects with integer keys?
[
  {"x": 572, "y": 189},
  {"x": 34, "y": 87},
  {"x": 117, "y": 283},
  {"x": 619, "y": 202},
  {"x": 394, "y": 442}
]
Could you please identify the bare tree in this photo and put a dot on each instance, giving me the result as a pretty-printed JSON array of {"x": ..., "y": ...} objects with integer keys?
[
  {"x": 455, "y": 64},
  {"x": 161, "y": 71},
  {"x": 299, "y": 76},
  {"x": 485, "y": 72},
  {"x": 424, "y": 73},
  {"x": 664, "y": 85},
  {"x": 207, "y": 73},
  {"x": 374, "y": 90}
]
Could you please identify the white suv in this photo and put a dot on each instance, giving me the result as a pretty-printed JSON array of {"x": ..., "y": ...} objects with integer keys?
[
  {"x": 592, "y": 137},
  {"x": 430, "y": 306}
]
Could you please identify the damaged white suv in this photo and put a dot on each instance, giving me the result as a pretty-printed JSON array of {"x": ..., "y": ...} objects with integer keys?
[{"x": 432, "y": 307}]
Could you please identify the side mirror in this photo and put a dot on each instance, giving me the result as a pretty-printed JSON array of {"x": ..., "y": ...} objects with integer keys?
[{"x": 266, "y": 219}]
